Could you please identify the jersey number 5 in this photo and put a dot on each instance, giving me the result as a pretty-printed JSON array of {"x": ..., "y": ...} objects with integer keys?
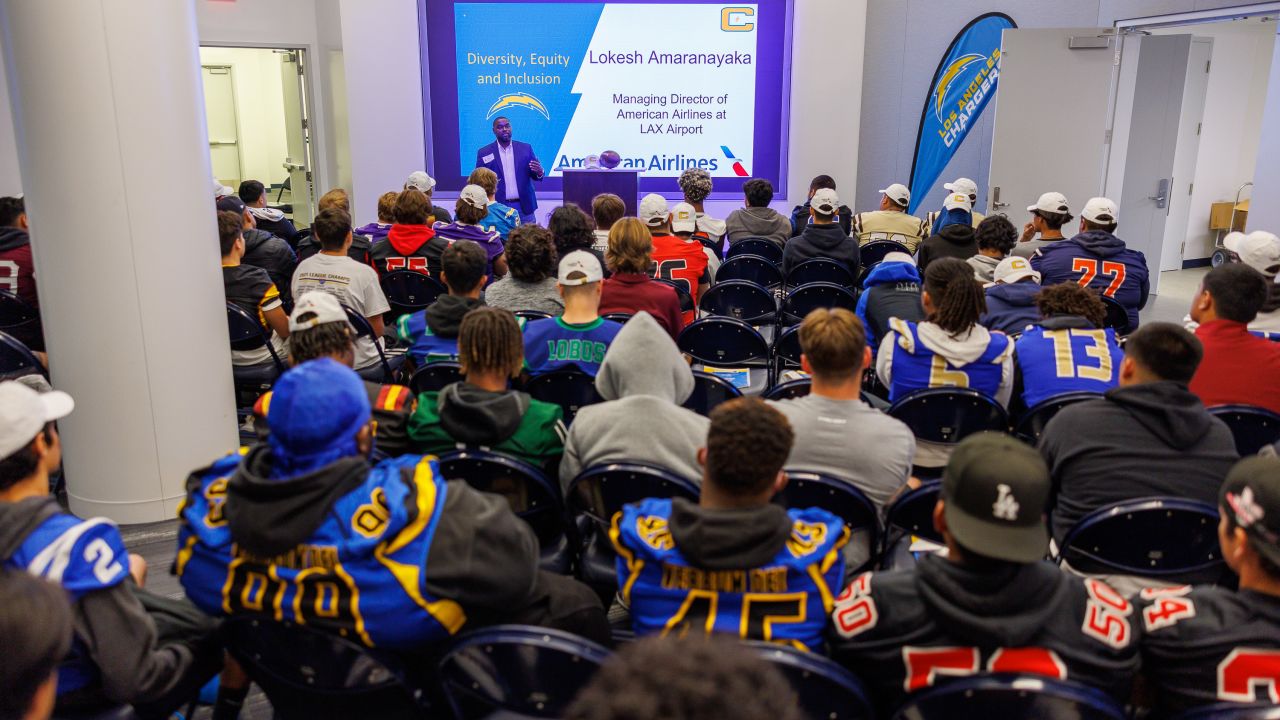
[
  {"x": 667, "y": 270},
  {"x": 1088, "y": 267}
]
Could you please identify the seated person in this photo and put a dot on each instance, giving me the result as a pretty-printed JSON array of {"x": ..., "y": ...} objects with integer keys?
[
  {"x": 472, "y": 206},
  {"x": 531, "y": 284},
  {"x": 571, "y": 230},
  {"x": 411, "y": 243},
  {"x": 337, "y": 199},
  {"x": 1068, "y": 350},
  {"x": 823, "y": 237},
  {"x": 643, "y": 381},
  {"x": 35, "y": 621},
  {"x": 1211, "y": 644},
  {"x": 130, "y": 647},
  {"x": 250, "y": 288},
  {"x": 995, "y": 239},
  {"x": 20, "y": 271},
  {"x": 1238, "y": 368},
  {"x": 756, "y": 218},
  {"x": 1048, "y": 215},
  {"x": 482, "y": 411},
  {"x": 696, "y": 185},
  {"x": 377, "y": 231},
  {"x": 678, "y": 260},
  {"x": 800, "y": 215},
  {"x": 579, "y": 337},
  {"x": 1011, "y": 296},
  {"x": 433, "y": 333},
  {"x": 629, "y": 289},
  {"x": 261, "y": 248},
  {"x": 318, "y": 328},
  {"x": 392, "y": 556},
  {"x": 500, "y": 218},
  {"x": 352, "y": 284},
  {"x": 948, "y": 349},
  {"x": 672, "y": 552},
  {"x": 952, "y": 234},
  {"x": 992, "y": 603},
  {"x": 684, "y": 225},
  {"x": 272, "y": 220},
  {"x": 1148, "y": 437},
  {"x": 891, "y": 290},
  {"x": 964, "y": 186},
  {"x": 836, "y": 432},
  {"x": 891, "y": 221},
  {"x": 606, "y": 209},
  {"x": 425, "y": 184}
]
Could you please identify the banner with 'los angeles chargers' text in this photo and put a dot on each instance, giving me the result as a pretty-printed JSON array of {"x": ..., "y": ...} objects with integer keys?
[{"x": 962, "y": 85}]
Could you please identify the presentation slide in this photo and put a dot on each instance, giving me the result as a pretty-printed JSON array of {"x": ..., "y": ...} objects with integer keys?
[{"x": 667, "y": 85}]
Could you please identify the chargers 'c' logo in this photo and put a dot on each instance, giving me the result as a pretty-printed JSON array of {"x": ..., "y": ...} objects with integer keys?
[
  {"x": 519, "y": 99},
  {"x": 735, "y": 19}
]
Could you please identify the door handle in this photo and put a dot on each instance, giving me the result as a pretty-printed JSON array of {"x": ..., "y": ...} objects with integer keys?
[
  {"x": 995, "y": 198},
  {"x": 1162, "y": 193}
]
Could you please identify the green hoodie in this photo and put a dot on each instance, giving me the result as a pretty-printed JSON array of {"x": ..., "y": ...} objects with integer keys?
[{"x": 509, "y": 422}]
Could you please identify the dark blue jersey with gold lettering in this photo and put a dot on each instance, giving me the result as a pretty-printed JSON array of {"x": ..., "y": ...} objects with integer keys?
[
  {"x": 1059, "y": 361},
  {"x": 787, "y": 601}
]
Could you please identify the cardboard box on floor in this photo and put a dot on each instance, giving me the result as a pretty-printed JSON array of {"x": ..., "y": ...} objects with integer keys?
[{"x": 1220, "y": 215}]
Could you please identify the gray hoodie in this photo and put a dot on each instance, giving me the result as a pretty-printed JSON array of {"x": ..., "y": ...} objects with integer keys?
[
  {"x": 762, "y": 222},
  {"x": 643, "y": 379}
]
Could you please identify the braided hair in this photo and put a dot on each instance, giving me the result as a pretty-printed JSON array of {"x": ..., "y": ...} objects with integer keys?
[
  {"x": 489, "y": 340},
  {"x": 958, "y": 298},
  {"x": 332, "y": 339}
]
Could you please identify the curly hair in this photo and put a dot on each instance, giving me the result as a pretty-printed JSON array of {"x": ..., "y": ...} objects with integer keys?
[
  {"x": 1072, "y": 299},
  {"x": 531, "y": 254},
  {"x": 571, "y": 229},
  {"x": 958, "y": 298},
  {"x": 996, "y": 233},
  {"x": 695, "y": 183},
  {"x": 387, "y": 206},
  {"x": 747, "y": 444}
]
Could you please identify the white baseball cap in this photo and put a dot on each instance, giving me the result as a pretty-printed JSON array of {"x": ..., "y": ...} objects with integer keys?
[
  {"x": 1259, "y": 250},
  {"x": 684, "y": 218},
  {"x": 963, "y": 185},
  {"x": 898, "y": 193},
  {"x": 220, "y": 191},
  {"x": 24, "y": 412},
  {"x": 475, "y": 196},
  {"x": 1051, "y": 202},
  {"x": 421, "y": 181},
  {"x": 899, "y": 257},
  {"x": 958, "y": 200},
  {"x": 1012, "y": 269},
  {"x": 825, "y": 201},
  {"x": 586, "y": 265},
  {"x": 326, "y": 307},
  {"x": 653, "y": 209},
  {"x": 1100, "y": 210}
]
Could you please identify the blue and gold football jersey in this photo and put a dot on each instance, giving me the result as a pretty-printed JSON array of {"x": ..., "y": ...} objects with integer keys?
[
  {"x": 361, "y": 574},
  {"x": 427, "y": 347},
  {"x": 916, "y": 367},
  {"x": 1056, "y": 362},
  {"x": 787, "y": 601}
]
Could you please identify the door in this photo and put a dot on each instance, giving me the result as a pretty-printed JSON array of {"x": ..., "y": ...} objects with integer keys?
[
  {"x": 1184, "y": 158},
  {"x": 1051, "y": 117},
  {"x": 220, "y": 117},
  {"x": 297, "y": 135}
]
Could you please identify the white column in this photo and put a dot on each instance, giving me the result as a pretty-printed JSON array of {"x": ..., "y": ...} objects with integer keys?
[
  {"x": 1264, "y": 208},
  {"x": 109, "y": 117}
]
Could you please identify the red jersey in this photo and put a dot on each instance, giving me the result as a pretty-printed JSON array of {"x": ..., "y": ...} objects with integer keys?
[
  {"x": 681, "y": 261},
  {"x": 17, "y": 272},
  {"x": 1237, "y": 368}
]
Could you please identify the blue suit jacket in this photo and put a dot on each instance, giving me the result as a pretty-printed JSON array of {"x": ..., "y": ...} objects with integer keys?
[{"x": 523, "y": 155}]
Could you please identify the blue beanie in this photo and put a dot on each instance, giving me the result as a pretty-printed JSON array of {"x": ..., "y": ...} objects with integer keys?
[{"x": 316, "y": 410}]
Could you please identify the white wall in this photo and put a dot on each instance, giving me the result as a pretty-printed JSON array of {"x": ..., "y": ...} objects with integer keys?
[
  {"x": 10, "y": 176},
  {"x": 255, "y": 75},
  {"x": 1264, "y": 212}
]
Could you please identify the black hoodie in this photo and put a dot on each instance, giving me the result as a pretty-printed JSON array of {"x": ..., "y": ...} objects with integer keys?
[
  {"x": 729, "y": 539},
  {"x": 264, "y": 250},
  {"x": 828, "y": 241},
  {"x": 955, "y": 241},
  {"x": 444, "y": 316},
  {"x": 1136, "y": 441}
]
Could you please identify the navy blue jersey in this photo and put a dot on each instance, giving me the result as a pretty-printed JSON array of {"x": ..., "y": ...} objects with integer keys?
[
  {"x": 916, "y": 367},
  {"x": 1097, "y": 260},
  {"x": 786, "y": 602},
  {"x": 426, "y": 346},
  {"x": 1056, "y": 362},
  {"x": 553, "y": 344}
]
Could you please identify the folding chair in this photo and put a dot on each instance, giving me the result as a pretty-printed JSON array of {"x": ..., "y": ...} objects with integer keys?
[
  {"x": 570, "y": 388},
  {"x": 949, "y": 415},
  {"x": 618, "y": 317},
  {"x": 823, "y": 688},
  {"x": 433, "y": 377},
  {"x": 531, "y": 315},
  {"x": 1117, "y": 317},
  {"x": 786, "y": 348},
  {"x": 385, "y": 369},
  {"x": 686, "y": 300},
  {"x": 873, "y": 253},
  {"x": 1031, "y": 424},
  {"x": 761, "y": 247},
  {"x": 789, "y": 390},
  {"x": 1162, "y": 538},
  {"x": 724, "y": 342},
  {"x": 308, "y": 673},
  {"x": 741, "y": 300},
  {"x": 751, "y": 268},
  {"x": 805, "y": 299},
  {"x": 1252, "y": 427},
  {"x": 909, "y": 516},
  {"x": 19, "y": 319},
  {"x": 533, "y": 498},
  {"x": 248, "y": 334},
  {"x": 708, "y": 392},
  {"x": 517, "y": 671},
  {"x": 1009, "y": 696},
  {"x": 16, "y": 359},
  {"x": 409, "y": 291},
  {"x": 823, "y": 270},
  {"x": 807, "y": 489}
]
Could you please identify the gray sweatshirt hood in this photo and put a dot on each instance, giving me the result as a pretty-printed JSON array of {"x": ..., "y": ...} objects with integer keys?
[{"x": 642, "y": 360}]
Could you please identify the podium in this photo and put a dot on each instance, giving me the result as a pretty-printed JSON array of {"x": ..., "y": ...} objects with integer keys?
[{"x": 581, "y": 185}]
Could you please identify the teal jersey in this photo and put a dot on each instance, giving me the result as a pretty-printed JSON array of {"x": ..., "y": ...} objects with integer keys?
[
  {"x": 426, "y": 347},
  {"x": 553, "y": 344}
]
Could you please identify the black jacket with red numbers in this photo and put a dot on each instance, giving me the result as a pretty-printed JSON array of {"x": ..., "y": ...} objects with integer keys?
[{"x": 904, "y": 631}]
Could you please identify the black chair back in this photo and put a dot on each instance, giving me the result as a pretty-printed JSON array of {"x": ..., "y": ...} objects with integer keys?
[
  {"x": 709, "y": 391},
  {"x": 823, "y": 688},
  {"x": 1009, "y": 696},
  {"x": 789, "y": 390},
  {"x": 16, "y": 359},
  {"x": 807, "y": 489},
  {"x": 873, "y": 252},
  {"x": 722, "y": 341},
  {"x": 824, "y": 270},
  {"x": 910, "y": 515},
  {"x": 364, "y": 329},
  {"x": 571, "y": 389},
  {"x": 248, "y": 334},
  {"x": 433, "y": 377},
  {"x": 409, "y": 291},
  {"x": 1162, "y": 538},
  {"x": 786, "y": 348},
  {"x": 751, "y": 268},
  {"x": 740, "y": 300},
  {"x": 766, "y": 249},
  {"x": 1252, "y": 427},
  {"x": 807, "y": 298},
  {"x": 531, "y": 315},
  {"x": 618, "y": 317},
  {"x": 1117, "y": 317},
  {"x": 21, "y": 320},
  {"x": 949, "y": 415},
  {"x": 517, "y": 671},
  {"x": 1233, "y": 711},
  {"x": 686, "y": 300},
  {"x": 1031, "y": 424}
]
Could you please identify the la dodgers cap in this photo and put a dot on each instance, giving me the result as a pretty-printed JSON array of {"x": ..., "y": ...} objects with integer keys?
[
  {"x": 898, "y": 193},
  {"x": 1100, "y": 210},
  {"x": 653, "y": 209},
  {"x": 1251, "y": 494},
  {"x": 996, "y": 490},
  {"x": 1012, "y": 269},
  {"x": 963, "y": 185},
  {"x": 316, "y": 405},
  {"x": 1259, "y": 250},
  {"x": 684, "y": 218},
  {"x": 1051, "y": 202},
  {"x": 958, "y": 201},
  {"x": 825, "y": 201},
  {"x": 475, "y": 196},
  {"x": 24, "y": 412},
  {"x": 421, "y": 181},
  {"x": 324, "y": 306},
  {"x": 583, "y": 263}
]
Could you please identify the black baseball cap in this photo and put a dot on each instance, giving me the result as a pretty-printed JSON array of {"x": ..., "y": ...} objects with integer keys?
[
  {"x": 995, "y": 491},
  {"x": 1251, "y": 493}
]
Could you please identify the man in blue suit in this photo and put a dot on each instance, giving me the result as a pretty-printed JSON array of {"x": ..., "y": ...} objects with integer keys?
[{"x": 517, "y": 167}]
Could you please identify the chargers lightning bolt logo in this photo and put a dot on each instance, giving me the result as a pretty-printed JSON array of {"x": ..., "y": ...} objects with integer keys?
[
  {"x": 942, "y": 93},
  {"x": 738, "y": 169},
  {"x": 519, "y": 99}
]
